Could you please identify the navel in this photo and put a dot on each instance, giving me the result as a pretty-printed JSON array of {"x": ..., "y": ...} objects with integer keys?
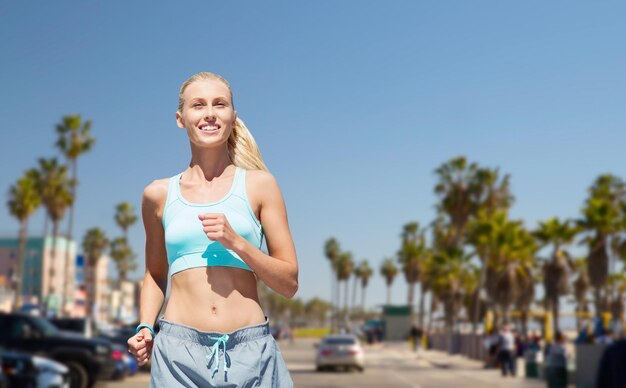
[{"x": 214, "y": 310}]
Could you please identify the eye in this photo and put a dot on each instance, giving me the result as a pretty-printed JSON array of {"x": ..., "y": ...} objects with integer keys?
[{"x": 220, "y": 104}]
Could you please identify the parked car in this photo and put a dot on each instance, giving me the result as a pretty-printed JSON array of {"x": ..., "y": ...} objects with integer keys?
[
  {"x": 120, "y": 337},
  {"x": 24, "y": 370},
  {"x": 51, "y": 374},
  {"x": 84, "y": 326},
  {"x": 341, "y": 350},
  {"x": 121, "y": 367},
  {"x": 88, "y": 360},
  {"x": 131, "y": 364}
]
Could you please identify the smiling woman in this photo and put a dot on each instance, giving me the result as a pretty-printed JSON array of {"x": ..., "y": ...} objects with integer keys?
[{"x": 204, "y": 229}]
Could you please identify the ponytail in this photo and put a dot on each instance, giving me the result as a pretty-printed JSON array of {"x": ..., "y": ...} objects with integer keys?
[{"x": 243, "y": 150}]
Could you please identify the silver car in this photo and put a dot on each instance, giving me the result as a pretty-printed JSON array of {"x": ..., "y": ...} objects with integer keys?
[{"x": 342, "y": 350}]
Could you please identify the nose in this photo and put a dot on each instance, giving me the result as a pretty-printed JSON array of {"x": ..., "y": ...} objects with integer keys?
[{"x": 209, "y": 115}]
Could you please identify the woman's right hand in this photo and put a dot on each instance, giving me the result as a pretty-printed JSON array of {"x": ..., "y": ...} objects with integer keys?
[{"x": 140, "y": 346}]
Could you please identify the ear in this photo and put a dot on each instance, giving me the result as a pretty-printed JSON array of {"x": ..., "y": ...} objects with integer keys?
[
  {"x": 179, "y": 120},
  {"x": 235, "y": 119}
]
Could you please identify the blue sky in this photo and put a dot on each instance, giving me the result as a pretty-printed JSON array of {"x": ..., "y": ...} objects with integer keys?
[{"x": 352, "y": 103}]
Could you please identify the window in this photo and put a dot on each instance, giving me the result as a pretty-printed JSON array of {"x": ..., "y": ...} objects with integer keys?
[{"x": 340, "y": 341}]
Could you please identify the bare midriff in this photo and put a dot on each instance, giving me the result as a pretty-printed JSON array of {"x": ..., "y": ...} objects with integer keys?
[{"x": 220, "y": 299}]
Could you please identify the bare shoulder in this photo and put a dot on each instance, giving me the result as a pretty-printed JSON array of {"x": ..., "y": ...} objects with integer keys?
[
  {"x": 155, "y": 194},
  {"x": 261, "y": 182}
]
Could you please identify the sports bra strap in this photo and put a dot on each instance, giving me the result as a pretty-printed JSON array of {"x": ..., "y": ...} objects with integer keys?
[
  {"x": 239, "y": 184},
  {"x": 172, "y": 188}
]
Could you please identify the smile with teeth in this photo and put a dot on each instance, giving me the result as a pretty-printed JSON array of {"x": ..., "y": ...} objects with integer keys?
[{"x": 209, "y": 127}]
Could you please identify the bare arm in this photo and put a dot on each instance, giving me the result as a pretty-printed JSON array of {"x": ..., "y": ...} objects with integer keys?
[
  {"x": 279, "y": 269},
  {"x": 155, "y": 278}
]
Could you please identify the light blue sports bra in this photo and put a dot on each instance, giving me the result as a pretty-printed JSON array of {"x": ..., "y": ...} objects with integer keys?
[{"x": 186, "y": 243}]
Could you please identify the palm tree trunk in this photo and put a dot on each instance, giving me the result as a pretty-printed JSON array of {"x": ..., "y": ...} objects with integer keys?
[
  {"x": 411, "y": 294},
  {"x": 524, "y": 321},
  {"x": 89, "y": 284},
  {"x": 338, "y": 301},
  {"x": 354, "y": 294},
  {"x": 345, "y": 295},
  {"x": 597, "y": 296},
  {"x": 46, "y": 221},
  {"x": 69, "y": 283},
  {"x": 19, "y": 265},
  {"x": 481, "y": 285},
  {"x": 363, "y": 299},
  {"x": 332, "y": 299},
  {"x": 555, "y": 313},
  {"x": 52, "y": 263},
  {"x": 388, "y": 294},
  {"x": 433, "y": 303},
  {"x": 421, "y": 308}
]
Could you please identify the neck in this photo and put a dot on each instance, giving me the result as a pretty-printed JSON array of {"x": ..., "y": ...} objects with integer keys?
[{"x": 211, "y": 163}]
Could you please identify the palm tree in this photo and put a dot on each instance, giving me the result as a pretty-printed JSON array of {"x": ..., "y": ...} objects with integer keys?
[
  {"x": 448, "y": 270},
  {"x": 95, "y": 243},
  {"x": 23, "y": 201},
  {"x": 74, "y": 140},
  {"x": 617, "y": 288},
  {"x": 512, "y": 256},
  {"x": 453, "y": 188},
  {"x": 389, "y": 271},
  {"x": 124, "y": 258},
  {"x": 410, "y": 256},
  {"x": 581, "y": 287},
  {"x": 316, "y": 310},
  {"x": 555, "y": 271},
  {"x": 344, "y": 267},
  {"x": 331, "y": 251},
  {"x": 55, "y": 189},
  {"x": 366, "y": 273},
  {"x": 125, "y": 217},
  {"x": 526, "y": 294},
  {"x": 425, "y": 286},
  {"x": 482, "y": 235},
  {"x": 604, "y": 219},
  {"x": 356, "y": 271}
]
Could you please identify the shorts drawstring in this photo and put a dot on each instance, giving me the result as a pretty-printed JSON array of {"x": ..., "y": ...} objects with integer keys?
[{"x": 215, "y": 354}]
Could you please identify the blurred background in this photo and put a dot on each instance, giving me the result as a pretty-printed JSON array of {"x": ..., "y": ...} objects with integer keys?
[{"x": 446, "y": 167}]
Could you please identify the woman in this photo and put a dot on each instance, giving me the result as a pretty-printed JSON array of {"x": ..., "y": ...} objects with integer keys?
[{"x": 203, "y": 230}]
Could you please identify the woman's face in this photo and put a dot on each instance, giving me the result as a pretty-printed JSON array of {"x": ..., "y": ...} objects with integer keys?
[{"x": 207, "y": 113}]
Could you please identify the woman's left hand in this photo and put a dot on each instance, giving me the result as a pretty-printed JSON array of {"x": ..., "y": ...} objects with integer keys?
[{"x": 217, "y": 228}]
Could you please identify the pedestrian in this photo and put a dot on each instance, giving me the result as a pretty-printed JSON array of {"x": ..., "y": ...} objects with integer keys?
[
  {"x": 506, "y": 351},
  {"x": 204, "y": 230},
  {"x": 611, "y": 370},
  {"x": 413, "y": 335}
]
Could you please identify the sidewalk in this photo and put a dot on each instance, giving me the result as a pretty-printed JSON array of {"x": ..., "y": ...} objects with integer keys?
[{"x": 459, "y": 365}]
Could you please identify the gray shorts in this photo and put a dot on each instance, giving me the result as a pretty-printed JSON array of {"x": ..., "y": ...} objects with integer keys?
[{"x": 186, "y": 357}]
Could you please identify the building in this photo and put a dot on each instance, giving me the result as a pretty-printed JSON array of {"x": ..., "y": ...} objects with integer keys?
[
  {"x": 44, "y": 270},
  {"x": 397, "y": 322},
  {"x": 102, "y": 290},
  {"x": 96, "y": 283},
  {"x": 124, "y": 302}
]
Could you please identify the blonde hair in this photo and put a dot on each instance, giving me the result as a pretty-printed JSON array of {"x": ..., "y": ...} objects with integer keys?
[{"x": 242, "y": 149}]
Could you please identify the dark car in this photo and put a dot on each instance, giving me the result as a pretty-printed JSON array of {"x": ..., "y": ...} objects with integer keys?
[
  {"x": 84, "y": 326},
  {"x": 17, "y": 370},
  {"x": 87, "y": 359}
]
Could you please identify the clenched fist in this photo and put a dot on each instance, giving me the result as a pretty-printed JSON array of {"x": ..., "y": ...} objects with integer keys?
[{"x": 217, "y": 228}]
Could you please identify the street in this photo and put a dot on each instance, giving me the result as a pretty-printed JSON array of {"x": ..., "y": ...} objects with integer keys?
[{"x": 388, "y": 365}]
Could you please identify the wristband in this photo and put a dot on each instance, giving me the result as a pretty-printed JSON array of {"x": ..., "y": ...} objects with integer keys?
[{"x": 142, "y": 325}]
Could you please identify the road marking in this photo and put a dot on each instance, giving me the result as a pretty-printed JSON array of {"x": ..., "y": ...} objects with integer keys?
[{"x": 404, "y": 380}]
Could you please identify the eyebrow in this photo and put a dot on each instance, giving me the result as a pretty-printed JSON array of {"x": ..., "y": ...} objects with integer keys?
[{"x": 204, "y": 99}]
